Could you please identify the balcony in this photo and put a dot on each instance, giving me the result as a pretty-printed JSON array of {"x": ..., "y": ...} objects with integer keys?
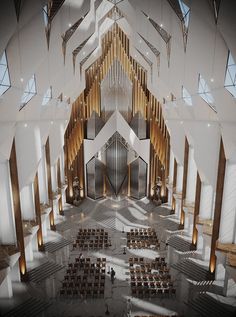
[
  {"x": 9, "y": 254},
  {"x": 207, "y": 225},
  {"x": 188, "y": 207},
  {"x": 177, "y": 194},
  {"x": 29, "y": 227},
  {"x": 230, "y": 250},
  {"x": 56, "y": 194},
  {"x": 45, "y": 208}
]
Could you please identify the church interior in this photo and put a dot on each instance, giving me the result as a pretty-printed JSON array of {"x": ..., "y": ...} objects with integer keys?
[{"x": 118, "y": 158}]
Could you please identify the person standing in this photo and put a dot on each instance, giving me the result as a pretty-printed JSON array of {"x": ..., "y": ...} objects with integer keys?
[
  {"x": 113, "y": 273},
  {"x": 129, "y": 307}
]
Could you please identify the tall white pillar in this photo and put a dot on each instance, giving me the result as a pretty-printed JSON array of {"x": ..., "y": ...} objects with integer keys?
[
  {"x": 42, "y": 177},
  {"x": 191, "y": 177},
  {"x": 28, "y": 152},
  {"x": 54, "y": 177},
  {"x": 27, "y": 202},
  {"x": 171, "y": 167},
  {"x": 7, "y": 222},
  {"x": 179, "y": 182},
  {"x": 6, "y": 288},
  {"x": 228, "y": 210},
  {"x": 62, "y": 166},
  {"x": 205, "y": 209}
]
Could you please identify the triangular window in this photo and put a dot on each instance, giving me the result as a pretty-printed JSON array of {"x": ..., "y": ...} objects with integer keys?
[
  {"x": 5, "y": 83},
  {"x": 29, "y": 93}
]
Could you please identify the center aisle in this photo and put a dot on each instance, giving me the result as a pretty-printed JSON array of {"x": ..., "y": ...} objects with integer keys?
[{"x": 116, "y": 218}]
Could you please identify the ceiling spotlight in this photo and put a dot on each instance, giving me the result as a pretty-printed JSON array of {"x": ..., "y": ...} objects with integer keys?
[
  {"x": 25, "y": 125},
  {"x": 161, "y": 25},
  {"x": 140, "y": 41},
  {"x": 22, "y": 79},
  {"x": 212, "y": 80},
  {"x": 181, "y": 122},
  {"x": 135, "y": 55},
  {"x": 167, "y": 97},
  {"x": 69, "y": 25},
  {"x": 208, "y": 124},
  {"x": 51, "y": 122},
  {"x": 147, "y": 53},
  {"x": 83, "y": 53},
  {"x": 65, "y": 96}
]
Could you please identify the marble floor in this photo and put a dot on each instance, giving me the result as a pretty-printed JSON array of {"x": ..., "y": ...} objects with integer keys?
[{"x": 117, "y": 218}]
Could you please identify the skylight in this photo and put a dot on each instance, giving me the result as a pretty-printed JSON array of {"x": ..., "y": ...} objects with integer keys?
[
  {"x": 230, "y": 76},
  {"x": 185, "y": 12},
  {"x": 5, "y": 83},
  {"x": 186, "y": 96},
  {"x": 204, "y": 92},
  {"x": 29, "y": 93},
  {"x": 47, "y": 96}
]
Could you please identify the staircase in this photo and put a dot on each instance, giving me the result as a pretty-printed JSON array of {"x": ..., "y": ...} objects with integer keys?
[
  {"x": 206, "y": 306},
  {"x": 192, "y": 270},
  {"x": 44, "y": 271},
  {"x": 53, "y": 246},
  {"x": 179, "y": 244},
  {"x": 31, "y": 307}
]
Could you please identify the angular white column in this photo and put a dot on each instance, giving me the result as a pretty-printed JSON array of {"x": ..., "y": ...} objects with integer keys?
[
  {"x": 62, "y": 166},
  {"x": 170, "y": 178},
  {"x": 199, "y": 237},
  {"x": 206, "y": 201},
  {"x": 228, "y": 210},
  {"x": 54, "y": 177},
  {"x": 178, "y": 208},
  {"x": 179, "y": 182},
  {"x": 28, "y": 152},
  {"x": 7, "y": 222},
  {"x": 42, "y": 177},
  {"x": 171, "y": 167},
  {"x": 6, "y": 288},
  {"x": 29, "y": 255},
  {"x": 27, "y": 202},
  {"x": 191, "y": 177}
]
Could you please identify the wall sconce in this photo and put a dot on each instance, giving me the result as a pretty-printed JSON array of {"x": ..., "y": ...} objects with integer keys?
[{"x": 22, "y": 268}]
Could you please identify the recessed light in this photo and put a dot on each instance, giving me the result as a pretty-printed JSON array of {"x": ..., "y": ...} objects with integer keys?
[
  {"x": 69, "y": 25},
  {"x": 147, "y": 53},
  {"x": 208, "y": 124},
  {"x": 161, "y": 25},
  {"x": 212, "y": 80},
  {"x": 51, "y": 122},
  {"x": 83, "y": 53},
  {"x": 140, "y": 41},
  {"x": 181, "y": 122},
  {"x": 25, "y": 125},
  {"x": 22, "y": 79}
]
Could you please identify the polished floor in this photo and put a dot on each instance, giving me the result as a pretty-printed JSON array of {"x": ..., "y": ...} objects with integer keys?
[{"x": 48, "y": 269}]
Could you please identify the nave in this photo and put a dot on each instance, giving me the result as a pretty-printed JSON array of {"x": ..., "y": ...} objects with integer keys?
[{"x": 143, "y": 272}]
